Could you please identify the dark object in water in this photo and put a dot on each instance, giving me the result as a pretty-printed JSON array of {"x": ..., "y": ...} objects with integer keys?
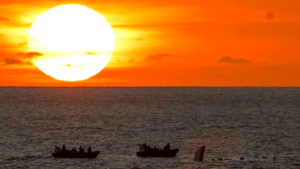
[
  {"x": 220, "y": 159},
  {"x": 147, "y": 151},
  {"x": 242, "y": 158},
  {"x": 264, "y": 157},
  {"x": 274, "y": 158},
  {"x": 199, "y": 154},
  {"x": 64, "y": 153}
]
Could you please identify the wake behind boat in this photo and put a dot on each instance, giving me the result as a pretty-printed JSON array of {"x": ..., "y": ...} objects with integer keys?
[
  {"x": 64, "y": 153},
  {"x": 147, "y": 151}
]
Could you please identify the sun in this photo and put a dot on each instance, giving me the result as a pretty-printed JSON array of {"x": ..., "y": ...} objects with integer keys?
[{"x": 75, "y": 42}]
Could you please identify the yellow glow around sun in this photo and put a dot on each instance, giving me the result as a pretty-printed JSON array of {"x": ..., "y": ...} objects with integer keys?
[{"x": 76, "y": 42}]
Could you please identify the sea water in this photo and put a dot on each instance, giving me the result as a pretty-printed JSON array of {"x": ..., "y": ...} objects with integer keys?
[{"x": 259, "y": 125}]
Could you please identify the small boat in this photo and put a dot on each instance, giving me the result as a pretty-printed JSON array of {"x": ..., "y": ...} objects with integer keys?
[
  {"x": 64, "y": 153},
  {"x": 147, "y": 151}
]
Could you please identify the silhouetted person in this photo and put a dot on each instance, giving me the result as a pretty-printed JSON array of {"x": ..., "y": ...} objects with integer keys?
[
  {"x": 89, "y": 150},
  {"x": 57, "y": 149},
  {"x": 167, "y": 147},
  {"x": 143, "y": 147},
  {"x": 64, "y": 148}
]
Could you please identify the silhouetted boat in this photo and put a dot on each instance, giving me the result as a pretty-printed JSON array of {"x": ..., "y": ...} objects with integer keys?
[
  {"x": 58, "y": 152},
  {"x": 147, "y": 151}
]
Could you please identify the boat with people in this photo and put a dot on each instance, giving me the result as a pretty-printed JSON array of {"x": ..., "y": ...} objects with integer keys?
[
  {"x": 147, "y": 151},
  {"x": 64, "y": 153}
]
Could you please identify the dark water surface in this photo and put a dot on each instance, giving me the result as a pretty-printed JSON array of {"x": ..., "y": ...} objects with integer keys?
[{"x": 255, "y": 123}]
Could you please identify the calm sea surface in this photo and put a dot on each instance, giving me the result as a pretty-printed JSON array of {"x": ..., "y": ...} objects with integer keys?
[{"x": 255, "y": 123}]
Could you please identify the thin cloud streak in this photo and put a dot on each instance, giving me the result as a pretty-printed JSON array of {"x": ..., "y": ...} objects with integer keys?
[
  {"x": 23, "y": 44},
  {"x": 229, "y": 59},
  {"x": 14, "y": 61},
  {"x": 157, "y": 57},
  {"x": 91, "y": 53},
  {"x": 29, "y": 54},
  {"x": 4, "y": 19}
]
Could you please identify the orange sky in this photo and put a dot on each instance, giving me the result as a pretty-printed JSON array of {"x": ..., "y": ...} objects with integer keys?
[{"x": 171, "y": 43}]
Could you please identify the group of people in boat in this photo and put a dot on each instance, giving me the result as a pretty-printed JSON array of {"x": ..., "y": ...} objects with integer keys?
[
  {"x": 145, "y": 147},
  {"x": 73, "y": 151}
]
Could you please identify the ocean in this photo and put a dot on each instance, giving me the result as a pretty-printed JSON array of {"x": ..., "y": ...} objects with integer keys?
[{"x": 260, "y": 125}]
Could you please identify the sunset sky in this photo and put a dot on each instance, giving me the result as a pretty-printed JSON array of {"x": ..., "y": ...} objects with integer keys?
[{"x": 170, "y": 43}]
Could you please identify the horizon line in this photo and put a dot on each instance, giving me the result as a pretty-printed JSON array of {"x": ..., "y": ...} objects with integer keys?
[{"x": 152, "y": 86}]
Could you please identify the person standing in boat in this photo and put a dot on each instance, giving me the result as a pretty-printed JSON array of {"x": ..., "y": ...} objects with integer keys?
[
  {"x": 167, "y": 147},
  {"x": 64, "y": 147},
  {"x": 89, "y": 150}
]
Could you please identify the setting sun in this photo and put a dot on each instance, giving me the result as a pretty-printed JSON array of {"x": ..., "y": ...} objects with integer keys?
[{"x": 74, "y": 42}]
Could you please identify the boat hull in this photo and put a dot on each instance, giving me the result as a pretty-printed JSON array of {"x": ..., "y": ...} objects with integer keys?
[
  {"x": 168, "y": 153},
  {"x": 77, "y": 155}
]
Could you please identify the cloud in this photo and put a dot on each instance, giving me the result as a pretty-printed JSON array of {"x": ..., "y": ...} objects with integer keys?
[
  {"x": 228, "y": 59},
  {"x": 22, "y": 44},
  {"x": 29, "y": 54},
  {"x": 14, "y": 61},
  {"x": 28, "y": 63},
  {"x": 4, "y": 19},
  {"x": 1, "y": 35},
  {"x": 270, "y": 15},
  {"x": 91, "y": 53},
  {"x": 69, "y": 65},
  {"x": 139, "y": 39},
  {"x": 157, "y": 57},
  {"x": 132, "y": 60}
]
